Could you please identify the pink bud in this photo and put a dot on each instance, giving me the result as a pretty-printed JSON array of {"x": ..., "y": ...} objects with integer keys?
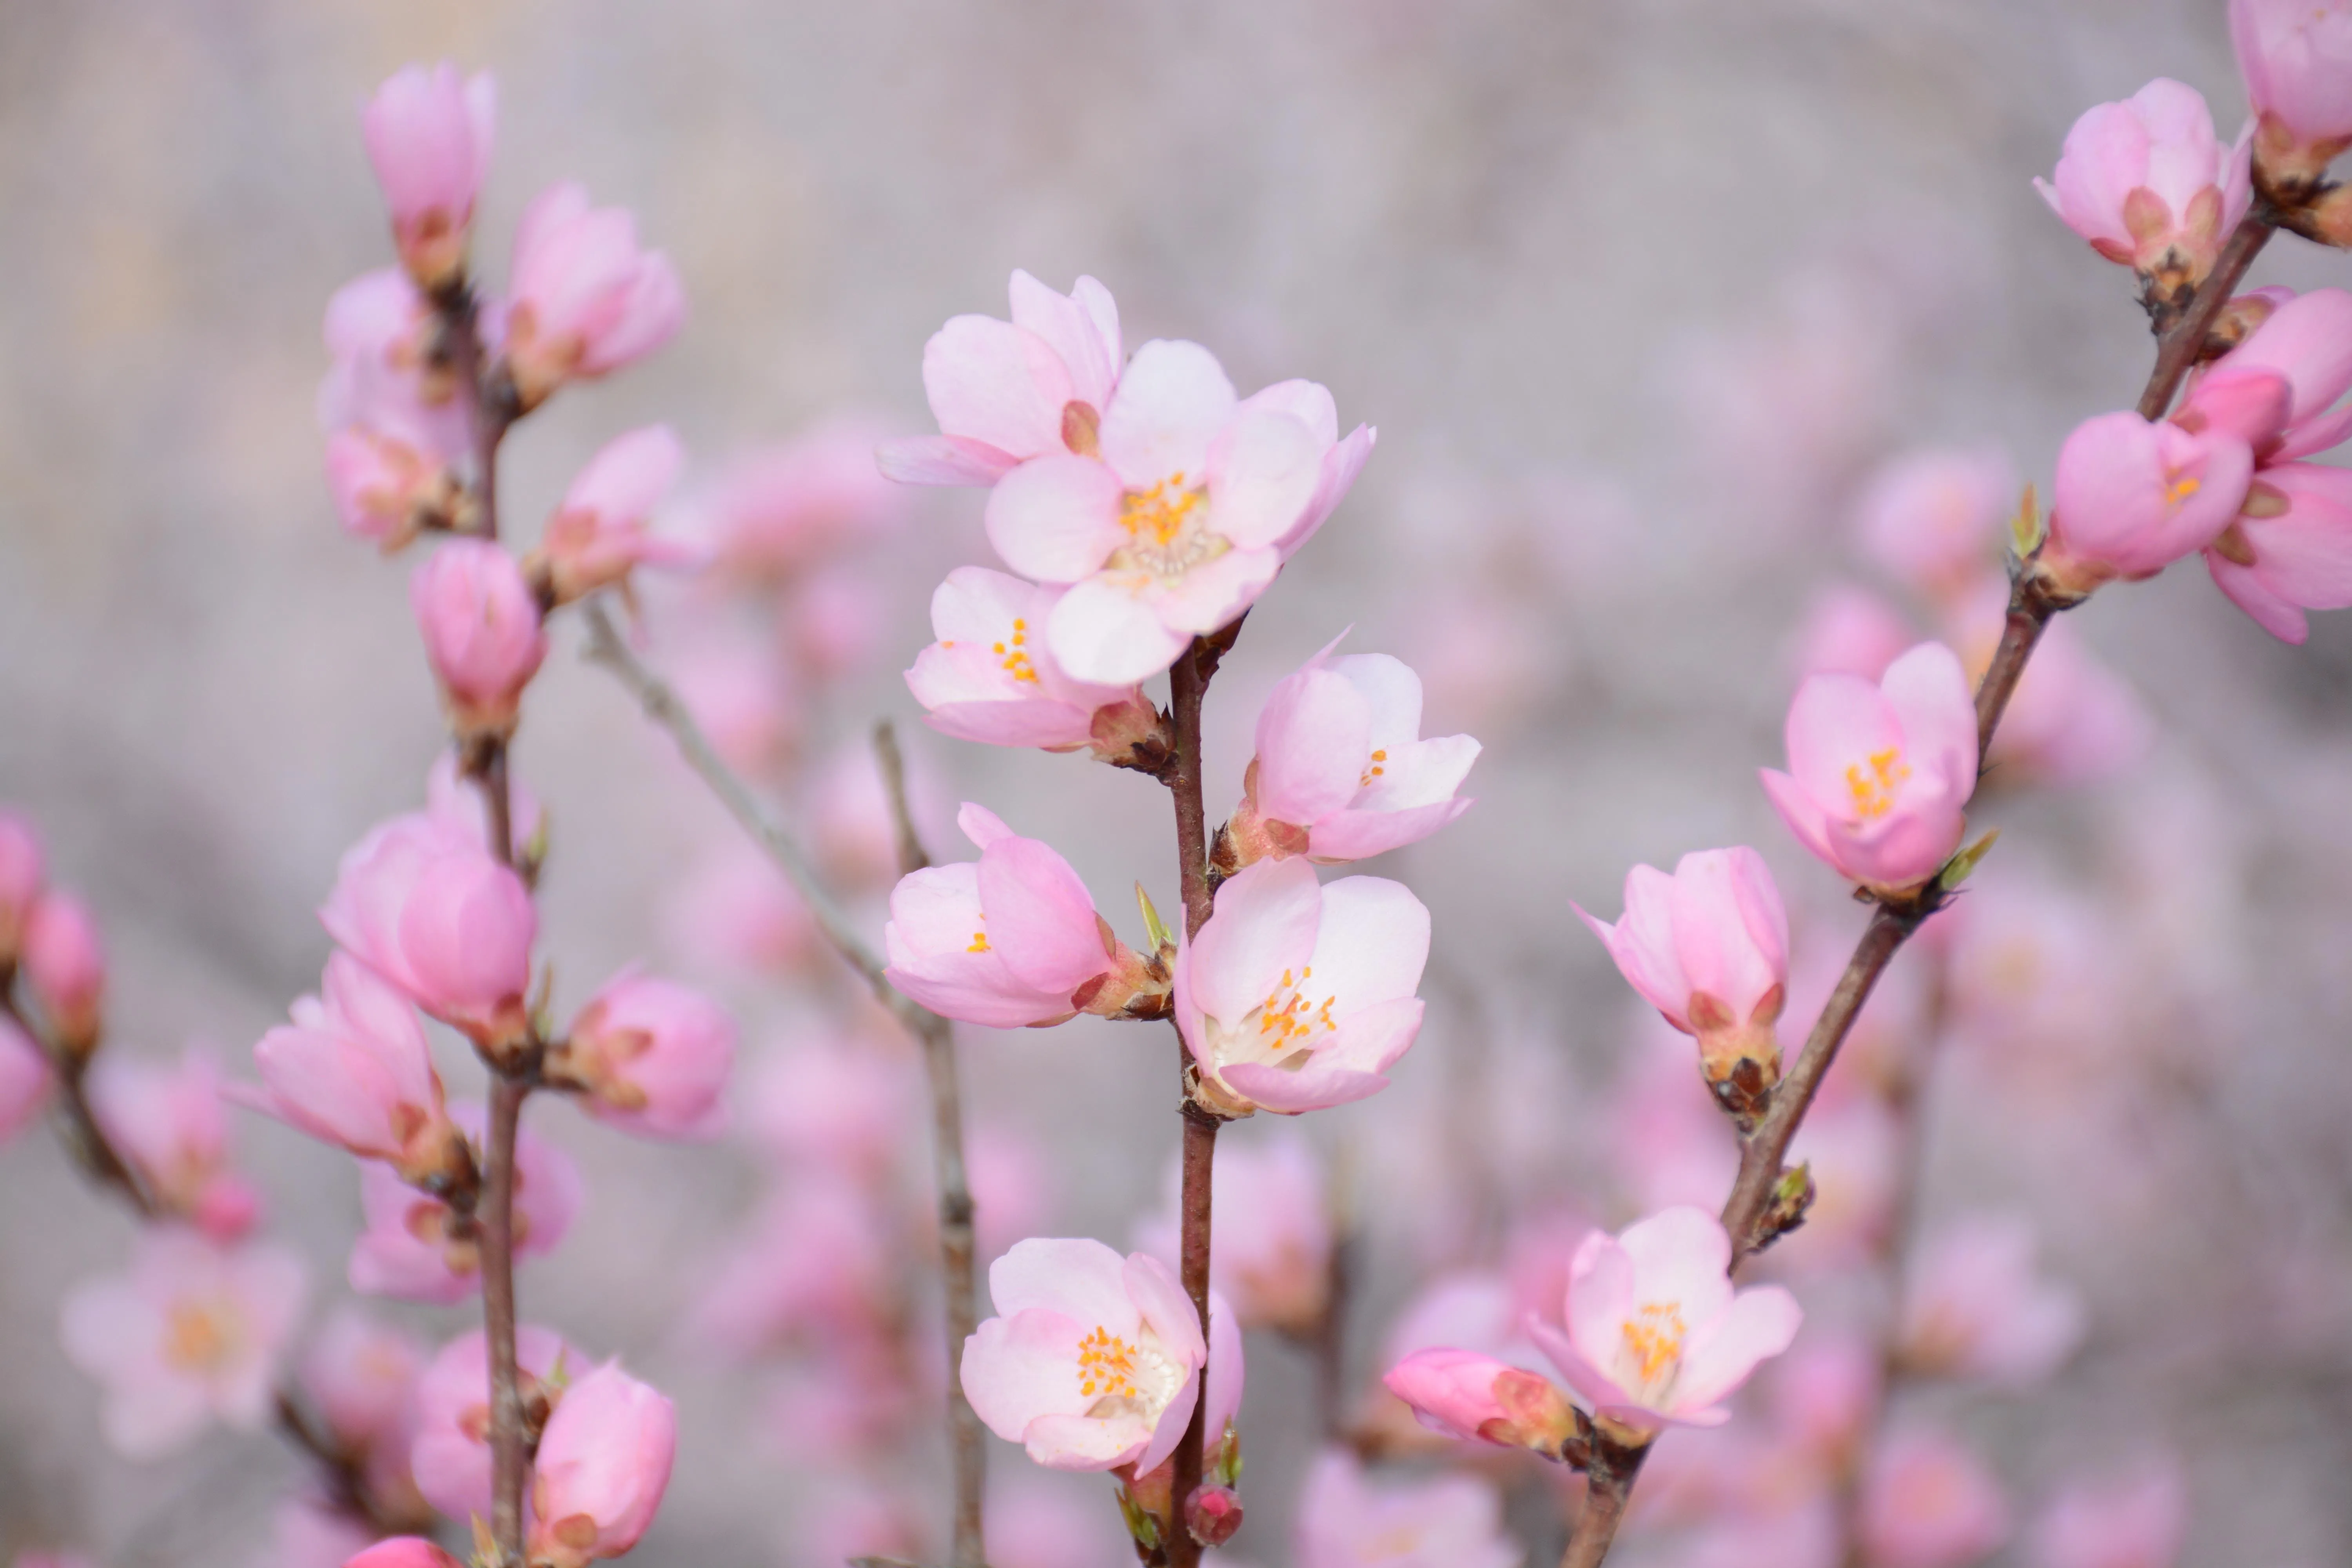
[
  {"x": 21, "y": 872},
  {"x": 412, "y": 1251},
  {"x": 354, "y": 1070},
  {"x": 66, "y": 967},
  {"x": 1979, "y": 1308},
  {"x": 1928, "y": 1502},
  {"x": 361, "y": 1372},
  {"x": 1451, "y": 1390},
  {"x": 25, "y": 1081},
  {"x": 428, "y": 135},
  {"x": 2149, "y": 184},
  {"x": 2296, "y": 57},
  {"x": 450, "y": 1455},
  {"x": 586, "y": 300},
  {"x": 2132, "y": 497},
  {"x": 1879, "y": 773},
  {"x": 1213, "y": 1516},
  {"x": 420, "y": 902},
  {"x": 2303, "y": 341},
  {"x": 170, "y": 1124},
  {"x": 598, "y": 534},
  {"x": 653, "y": 1057},
  {"x": 482, "y": 632},
  {"x": 404, "y": 1552},
  {"x": 603, "y": 1464},
  {"x": 1932, "y": 519},
  {"x": 2138, "y": 1521},
  {"x": 1709, "y": 947},
  {"x": 1851, "y": 631}
]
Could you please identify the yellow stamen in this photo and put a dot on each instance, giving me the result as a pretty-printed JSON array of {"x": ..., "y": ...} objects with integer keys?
[
  {"x": 1875, "y": 793},
  {"x": 979, "y": 943},
  {"x": 2182, "y": 489},
  {"x": 1106, "y": 1365},
  {"x": 193, "y": 1341},
  {"x": 1655, "y": 1337},
  {"x": 1156, "y": 516}
]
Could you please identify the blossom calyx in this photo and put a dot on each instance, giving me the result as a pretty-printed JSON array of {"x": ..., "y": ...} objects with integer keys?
[{"x": 1213, "y": 1515}]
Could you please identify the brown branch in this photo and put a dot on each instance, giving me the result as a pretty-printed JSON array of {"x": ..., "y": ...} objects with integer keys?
[
  {"x": 968, "y": 1442},
  {"x": 1609, "y": 1486},
  {"x": 508, "y": 1437},
  {"x": 91, "y": 1147}
]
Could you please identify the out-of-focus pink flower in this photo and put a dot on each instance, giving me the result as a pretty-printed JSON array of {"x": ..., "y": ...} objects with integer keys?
[
  {"x": 2132, "y": 497},
  {"x": 404, "y": 1552},
  {"x": 839, "y": 1105},
  {"x": 423, "y": 904},
  {"x": 2289, "y": 550},
  {"x": 1879, "y": 773},
  {"x": 1092, "y": 1362},
  {"x": 482, "y": 632},
  {"x": 2149, "y": 184},
  {"x": 1036, "y": 1520},
  {"x": 308, "y": 1531},
  {"x": 1928, "y": 1502},
  {"x": 1011, "y": 1183},
  {"x": 1825, "y": 1396},
  {"x": 22, "y": 870},
  {"x": 1005, "y": 391},
  {"x": 352, "y": 1069},
  {"x": 584, "y": 301},
  {"x": 1346, "y": 1521},
  {"x": 429, "y": 133},
  {"x": 1655, "y": 1335},
  {"x": 64, "y": 962},
  {"x": 843, "y": 1396},
  {"x": 25, "y": 1081},
  {"x": 603, "y": 1464},
  {"x": 451, "y": 1452},
  {"x": 397, "y": 435},
  {"x": 1180, "y": 518},
  {"x": 2137, "y": 1522},
  {"x": 990, "y": 677},
  {"x": 408, "y": 1250},
  {"x": 1341, "y": 772},
  {"x": 1709, "y": 947},
  {"x": 361, "y": 1371},
  {"x": 2073, "y": 721},
  {"x": 734, "y": 910},
  {"x": 1295, "y": 996},
  {"x": 653, "y": 1057},
  {"x": 599, "y": 533},
  {"x": 1851, "y": 631},
  {"x": 170, "y": 1124},
  {"x": 1979, "y": 1308},
  {"x": 1273, "y": 1257},
  {"x": 750, "y": 702},
  {"x": 2303, "y": 341},
  {"x": 191, "y": 1335},
  {"x": 816, "y": 1262},
  {"x": 1009, "y": 940},
  {"x": 1854, "y": 1147},
  {"x": 778, "y": 511},
  {"x": 2296, "y": 57},
  {"x": 1932, "y": 519}
]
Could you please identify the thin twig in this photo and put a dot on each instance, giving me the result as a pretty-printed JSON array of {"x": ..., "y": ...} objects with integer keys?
[
  {"x": 1609, "y": 1487},
  {"x": 968, "y": 1442},
  {"x": 90, "y": 1145}
]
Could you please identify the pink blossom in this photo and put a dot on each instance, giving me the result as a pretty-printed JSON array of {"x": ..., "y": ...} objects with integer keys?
[
  {"x": 1851, "y": 631},
  {"x": 783, "y": 510},
  {"x": 377, "y": 332},
  {"x": 1879, "y": 773},
  {"x": 1038, "y": 1519},
  {"x": 2304, "y": 343},
  {"x": 392, "y": 479},
  {"x": 1008, "y": 941},
  {"x": 1092, "y": 1362},
  {"x": 1345, "y": 1521},
  {"x": 25, "y": 1082},
  {"x": 1005, "y": 391},
  {"x": 1655, "y": 1335},
  {"x": 2149, "y": 184},
  {"x": 354, "y": 1070},
  {"x": 815, "y": 1262},
  {"x": 2137, "y": 1523},
  {"x": 1709, "y": 947},
  {"x": 1932, "y": 519},
  {"x": 1928, "y": 1502},
  {"x": 603, "y": 1464},
  {"x": 309, "y": 1531},
  {"x": 398, "y": 436},
  {"x": 585, "y": 300},
  {"x": 1341, "y": 772},
  {"x": 404, "y": 1552},
  {"x": 2296, "y": 57},
  {"x": 2132, "y": 497},
  {"x": 170, "y": 1124},
  {"x": 652, "y": 1056},
  {"x": 1273, "y": 1257},
  {"x": 2073, "y": 720},
  {"x": 451, "y": 1453},
  {"x": 419, "y": 901},
  {"x": 1825, "y": 1394},
  {"x": 599, "y": 533},
  {"x": 482, "y": 632},
  {"x": 190, "y": 1335},
  {"x": 2289, "y": 550},
  {"x": 409, "y": 1251},
  {"x": 1179, "y": 519},
  {"x": 1295, "y": 996},
  {"x": 990, "y": 677},
  {"x": 63, "y": 961},
  {"x": 1454, "y": 1391},
  {"x": 1978, "y": 1308},
  {"x": 428, "y": 135},
  {"x": 21, "y": 873},
  {"x": 839, "y": 1104},
  {"x": 361, "y": 1371},
  {"x": 1013, "y": 1183}
]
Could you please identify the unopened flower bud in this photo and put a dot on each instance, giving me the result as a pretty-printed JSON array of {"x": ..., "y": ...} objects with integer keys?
[
  {"x": 602, "y": 1467},
  {"x": 599, "y": 533},
  {"x": 482, "y": 632},
  {"x": 2150, "y": 186},
  {"x": 403, "y": 1552},
  {"x": 586, "y": 300},
  {"x": 653, "y": 1057},
  {"x": 66, "y": 966},
  {"x": 2293, "y": 55},
  {"x": 429, "y": 132},
  {"x": 1213, "y": 1515}
]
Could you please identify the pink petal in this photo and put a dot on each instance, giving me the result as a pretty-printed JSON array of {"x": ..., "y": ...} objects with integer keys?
[
  {"x": 1681, "y": 1254},
  {"x": 943, "y": 460},
  {"x": 1370, "y": 944},
  {"x": 1167, "y": 1311},
  {"x": 1084, "y": 1443},
  {"x": 1805, "y": 818},
  {"x": 1263, "y": 923},
  {"x": 1169, "y": 1431},
  {"x": 1836, "y": 722},
  {"x": 1018, "y": 1368},
  {"x": 1066, "y": 326},
  {"x": 993, "y": 383},
  {"x": 1342, "y": 465},
  {"x": 1600, "y": 1299},
  {"x": 1171, "y": 400},
  {"x": 1757, "y": 1325},
  {"x": 1056, "y": 518},
  {"x": 1929, "y": 692},
  {"x": 983, "y": 828},
  {"x": 1313, "y": 736},
  {"x": 1107, "y": 631},
  {"x": 1264, "y": 470},
  {"x": 1076, "y": 1276},
  {"x": 1040, "y": 916},
  {"x": 1358, "y": 834}
]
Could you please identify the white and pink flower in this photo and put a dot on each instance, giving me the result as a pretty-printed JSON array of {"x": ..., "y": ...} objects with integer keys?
[{"x": 990, "y": 677}]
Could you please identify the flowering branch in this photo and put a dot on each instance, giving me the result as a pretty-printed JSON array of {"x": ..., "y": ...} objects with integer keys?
[{"x": 936, "y": 1033}]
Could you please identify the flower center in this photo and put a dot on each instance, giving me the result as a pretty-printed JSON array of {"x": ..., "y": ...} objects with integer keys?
[
  {"x": 1654, "y": 1337},
  {"x": 194, "y": 1340},
  {"x": 1287, "y": 1021},
  {"x": 1875, "y": 787},
  {"x": 2182, "y": 487},
  {"x": 1364, "y": 779},
  {"x": 1106, "y": 1365},
  {"x": 1167, "y": 529},
  {"x": 1017, "y": 663},
  {"x": 979, "y": 943}
]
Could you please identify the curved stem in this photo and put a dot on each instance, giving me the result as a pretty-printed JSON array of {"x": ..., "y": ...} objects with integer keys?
[
  {"x": 1609, "y": 1487},
  {"x": 507, "y": 1438}
]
